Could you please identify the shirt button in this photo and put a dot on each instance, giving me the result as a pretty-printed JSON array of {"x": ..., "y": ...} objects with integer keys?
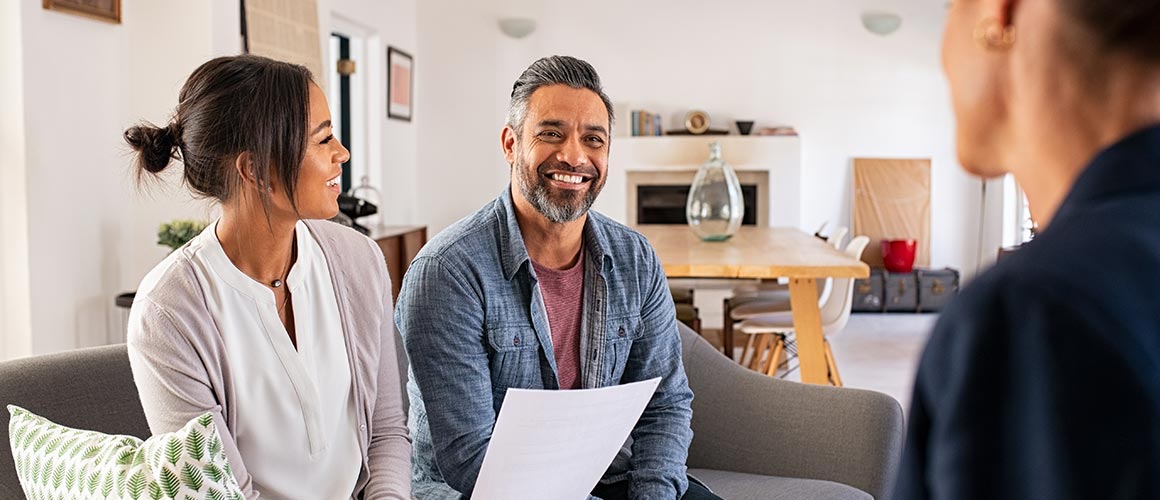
[
  {"x": 362, "y": 427},
  {"x": 516, "y": 340},
  {"x": 620, "y": 333}
]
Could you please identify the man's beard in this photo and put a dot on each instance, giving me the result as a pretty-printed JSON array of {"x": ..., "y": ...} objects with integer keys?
[{"x": 557, "y": 205}]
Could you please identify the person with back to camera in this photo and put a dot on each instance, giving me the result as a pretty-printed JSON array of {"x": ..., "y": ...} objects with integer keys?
[
  {"x": 1043, "y": 379},
  {"x": 275, "y": 322}
]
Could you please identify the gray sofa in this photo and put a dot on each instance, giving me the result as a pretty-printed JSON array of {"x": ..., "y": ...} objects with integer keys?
[{"x": 755, "y": 437}]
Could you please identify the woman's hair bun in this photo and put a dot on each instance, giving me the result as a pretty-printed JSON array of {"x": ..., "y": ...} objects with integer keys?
[{"x": 155, "y": 146}]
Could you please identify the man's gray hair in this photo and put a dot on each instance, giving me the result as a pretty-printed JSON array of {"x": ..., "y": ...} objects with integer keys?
[{"x": 554, "y": 70}]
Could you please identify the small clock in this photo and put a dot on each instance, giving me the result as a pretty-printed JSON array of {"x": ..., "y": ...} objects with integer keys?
[{"x": 697, "y": 122}]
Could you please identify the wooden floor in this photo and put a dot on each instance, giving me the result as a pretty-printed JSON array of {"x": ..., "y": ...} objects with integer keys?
[{"x": 876, "y": 351}]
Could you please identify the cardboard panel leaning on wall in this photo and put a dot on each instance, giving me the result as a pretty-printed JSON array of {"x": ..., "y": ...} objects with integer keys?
[{"x": 892, "y": 202}]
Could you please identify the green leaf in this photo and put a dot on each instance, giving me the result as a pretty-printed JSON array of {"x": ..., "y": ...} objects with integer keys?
[
  {"x": 90, "y": 451},
  {"x": 70, "y": 479},
  {"x": 155, "y": 491},
  {"x": 69, "y": 447},
  {"x": 191, "y": 476},
  {"x": 195, "y": 445},
  {"x": 58, "y": 475},
  {"x": 23, "y": 468},
  {"x": 136, "y": 484},
  {"x": 213, "y": 472},
  {"x": 214, "y": 494},
  {"x": 215, "y": 445},
  {"x": 94, "y": 482},
  {"x": 206, "y": 420},
  {"x": 107, "y": 486},
  {"x": 121, "y": 479},
  {"x": 170, "y": 484},
  {"x": 125, "y": 456},
  {"x": 35, "y": 435},
  {"x": 177, "y": 232},
  {"x": 18, "y": 432},
  {"x": 173, "y": 451},
  {"x": 41, "y": 441},
  {"x": 54, "y": 444}
]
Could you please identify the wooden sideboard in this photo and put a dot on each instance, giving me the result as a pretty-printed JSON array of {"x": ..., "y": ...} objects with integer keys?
[{"x": 399, "y": 244}]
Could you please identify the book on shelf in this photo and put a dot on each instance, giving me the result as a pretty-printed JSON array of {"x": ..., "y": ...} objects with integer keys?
[{"x": 645, "y": 123}]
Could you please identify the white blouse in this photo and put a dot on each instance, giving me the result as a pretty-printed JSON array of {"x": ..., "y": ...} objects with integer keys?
[{"x": 296, "y": 422}]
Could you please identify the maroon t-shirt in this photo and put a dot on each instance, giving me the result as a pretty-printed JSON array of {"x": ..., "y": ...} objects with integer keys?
[{"x": 563, "y": 293}]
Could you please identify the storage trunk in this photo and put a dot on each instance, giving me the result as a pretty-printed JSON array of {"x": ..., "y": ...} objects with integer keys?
[
  {"x": 900, "y": 292},
  {"x": 868, "y": 292},
  {"x": 936, "y": 288}
]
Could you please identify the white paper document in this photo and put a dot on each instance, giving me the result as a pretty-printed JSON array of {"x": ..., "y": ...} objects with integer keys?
[{"x": 555, "y": 445}]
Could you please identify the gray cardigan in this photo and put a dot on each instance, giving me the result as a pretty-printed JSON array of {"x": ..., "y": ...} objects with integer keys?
[{"x": 179, "y": 361}]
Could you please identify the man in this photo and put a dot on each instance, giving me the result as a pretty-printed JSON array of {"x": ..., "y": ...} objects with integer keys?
[{"x": 534, "y": 291}]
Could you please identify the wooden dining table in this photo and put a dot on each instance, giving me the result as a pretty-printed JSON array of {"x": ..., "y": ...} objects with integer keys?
[{"x": 768, "y": 253}]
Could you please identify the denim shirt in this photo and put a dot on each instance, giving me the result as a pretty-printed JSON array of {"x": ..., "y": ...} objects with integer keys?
[{"x": 474, "y": 323}]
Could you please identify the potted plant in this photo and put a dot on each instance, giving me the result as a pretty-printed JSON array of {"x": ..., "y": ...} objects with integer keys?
[{"x": 176, "y": 233}]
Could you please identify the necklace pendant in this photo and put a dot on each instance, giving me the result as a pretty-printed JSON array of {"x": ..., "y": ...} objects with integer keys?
[{"x": 276, "y": 283}]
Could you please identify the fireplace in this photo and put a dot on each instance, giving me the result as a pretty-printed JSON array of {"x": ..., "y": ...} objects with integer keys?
[
  {"x": 658, "y": 197},
  {"x": 665, "y": 204}
]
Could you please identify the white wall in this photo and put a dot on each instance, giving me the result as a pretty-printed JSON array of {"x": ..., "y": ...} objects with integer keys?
[
  {"x": 90, "y": 234},
  {"x": 807, "y": 64},
  {"x": 15, "y": 310},
  {"x": 464, "y": 77}
]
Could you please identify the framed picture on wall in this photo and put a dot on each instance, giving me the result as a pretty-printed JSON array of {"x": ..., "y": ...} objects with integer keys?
[
  {"x": 400, "y": 79},
  {"x": 105, "y": 10}
]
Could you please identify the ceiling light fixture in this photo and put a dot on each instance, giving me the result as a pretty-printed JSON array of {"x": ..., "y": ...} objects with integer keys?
[
  {"x": 881, "y": 23},
  {"x": 517, "y": 27}
]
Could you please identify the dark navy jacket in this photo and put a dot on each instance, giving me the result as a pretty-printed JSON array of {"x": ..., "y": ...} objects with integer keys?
[{"x": 1043, "y": 379}]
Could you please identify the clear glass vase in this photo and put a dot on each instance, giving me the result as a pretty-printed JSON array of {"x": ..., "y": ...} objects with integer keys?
[{"x": 715, "y": 206}]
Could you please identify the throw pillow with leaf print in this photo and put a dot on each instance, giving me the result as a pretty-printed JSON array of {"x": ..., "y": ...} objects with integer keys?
[{"x": 54, "y": 461}]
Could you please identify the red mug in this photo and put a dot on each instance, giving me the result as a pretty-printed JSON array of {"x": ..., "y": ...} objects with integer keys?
[{"x": 898, "y": 255}]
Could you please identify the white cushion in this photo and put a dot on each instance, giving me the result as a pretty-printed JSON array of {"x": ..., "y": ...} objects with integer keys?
[{"x": 779, "y": 322}]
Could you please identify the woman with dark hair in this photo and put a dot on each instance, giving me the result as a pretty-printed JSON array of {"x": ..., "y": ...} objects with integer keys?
[
  {"x": 1043, "y": 379},
  {"x": 277, "y": 323}
]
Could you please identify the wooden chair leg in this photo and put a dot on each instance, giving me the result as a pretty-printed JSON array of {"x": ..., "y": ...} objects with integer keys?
[
  {"x": 770, "y": 361},
  {"x": 759, "y": 353},
  {"x": 748, "y": 349},
  {"x": 835, "y": 378},
  {"x": 775, "y": 359},
  {"x": 758, "y": 350},
  {"x": 770, "y": 342}
]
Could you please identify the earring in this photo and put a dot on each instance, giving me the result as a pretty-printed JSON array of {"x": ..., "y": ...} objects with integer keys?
[{"x": 992, "y": 35}]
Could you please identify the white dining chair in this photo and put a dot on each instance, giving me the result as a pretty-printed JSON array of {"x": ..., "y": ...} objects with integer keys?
[{"x": 768, "y": 332}]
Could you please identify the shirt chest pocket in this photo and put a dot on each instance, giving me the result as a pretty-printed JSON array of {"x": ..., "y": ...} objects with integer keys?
[
  {"x": 514, "y": 358},
  {"x": 618, "y": 337}
]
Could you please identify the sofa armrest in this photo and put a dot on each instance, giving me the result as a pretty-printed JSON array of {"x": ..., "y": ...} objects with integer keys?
[{"x": 747, "y": 422}]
